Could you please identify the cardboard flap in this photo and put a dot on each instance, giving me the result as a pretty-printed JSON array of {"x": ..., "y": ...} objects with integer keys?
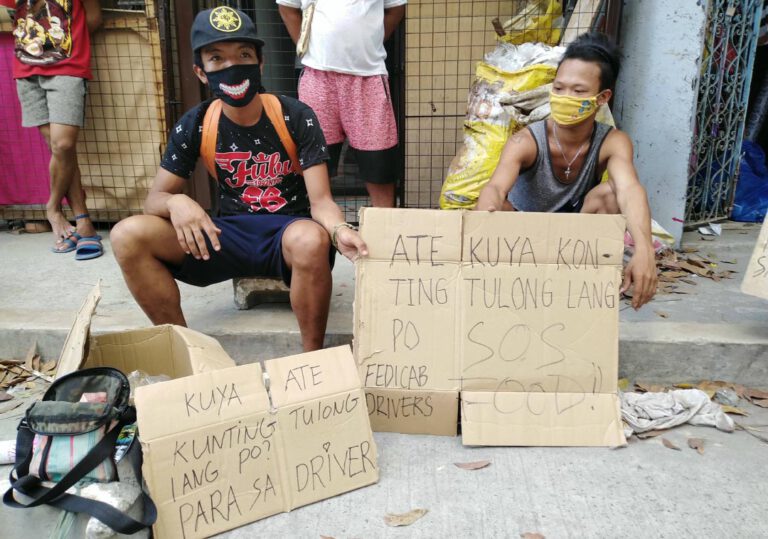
[
  {"x": 756, "y": 277},
  {"x": 312, "y": 375},
  {"x": 201, "y": 400},
  {"x": 171, "y": 350},
  {"x": 413, "y": 237},
  {"x": 541, "y": 419},
  {"x": 569, "y": 241},
  {"x": 77, "y": 339}
]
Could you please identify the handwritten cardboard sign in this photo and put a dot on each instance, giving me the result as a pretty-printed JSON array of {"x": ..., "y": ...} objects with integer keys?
[
  {"x": 756, "y": 279},
  {"x": 516, "y": 314},
  {"x": 223, "y": 448}
]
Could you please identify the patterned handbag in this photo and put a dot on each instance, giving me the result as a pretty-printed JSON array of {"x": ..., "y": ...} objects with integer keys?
[{"x": 69, "y": 436}]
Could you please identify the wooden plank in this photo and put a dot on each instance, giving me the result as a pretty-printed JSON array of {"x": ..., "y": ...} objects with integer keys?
[{"x": 581, "y": 20}]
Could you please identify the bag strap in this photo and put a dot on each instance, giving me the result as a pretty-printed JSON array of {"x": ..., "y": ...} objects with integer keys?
[
  {"x": 274, "y": 110},
  {"x": 210, "y": 133},
  {"x": 57, "y": 496}
]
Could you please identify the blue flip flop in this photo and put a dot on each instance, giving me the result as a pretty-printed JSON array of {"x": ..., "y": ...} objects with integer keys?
[
  {"x": 69, "y": 243},
  {"x": 89, "y": 247}
]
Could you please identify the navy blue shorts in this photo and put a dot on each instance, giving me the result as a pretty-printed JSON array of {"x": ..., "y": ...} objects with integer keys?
[{"x": 251, "y": 246}]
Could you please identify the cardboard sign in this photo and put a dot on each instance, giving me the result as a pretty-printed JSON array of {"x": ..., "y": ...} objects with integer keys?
[
  {"x": 232, "y": 446},
  {"x": 756, "y": 278},
  {"x": 515, "y": 313}
]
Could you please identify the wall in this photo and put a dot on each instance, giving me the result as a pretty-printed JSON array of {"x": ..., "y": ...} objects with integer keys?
[{"x": 655, "y": 100}]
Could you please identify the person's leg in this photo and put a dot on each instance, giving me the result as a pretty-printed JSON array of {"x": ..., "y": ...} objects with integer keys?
[
  {"x": 601, "y": 199},
  {"x": 382, "y": 194},
  {"x": 369, "y": 122},
  {"x": 305, "y": 246},
  {"x": 65, "y": 178},
  {"x": 65, "y": 97},
  {"x": 143, "y": 246}
]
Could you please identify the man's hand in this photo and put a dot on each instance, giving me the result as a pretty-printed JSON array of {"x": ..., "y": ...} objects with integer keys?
[
  {"x": 350, "y": 244},
  {"x": 641, "y": 272},
  {"x": 490, "y": 199},
  {"x": 190, "y": 222}
]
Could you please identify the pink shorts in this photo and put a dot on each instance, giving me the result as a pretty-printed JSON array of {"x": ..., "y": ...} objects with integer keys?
[{"x": 351, "y": 107}]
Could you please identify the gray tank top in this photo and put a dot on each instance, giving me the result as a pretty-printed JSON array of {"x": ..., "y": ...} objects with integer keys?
[{"x": 537, "y": 188}]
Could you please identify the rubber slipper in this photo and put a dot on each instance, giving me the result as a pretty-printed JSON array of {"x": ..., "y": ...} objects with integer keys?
[
  {"x": 89, "y": 247},
  {"x": 68, "y": 243}
]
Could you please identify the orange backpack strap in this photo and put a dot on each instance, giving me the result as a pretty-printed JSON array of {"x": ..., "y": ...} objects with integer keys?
[
  {"x": 274, "y": 111},
  {"x": 210, "y": 133}
]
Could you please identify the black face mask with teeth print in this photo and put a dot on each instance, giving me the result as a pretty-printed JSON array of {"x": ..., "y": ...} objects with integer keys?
[{"x": 236, "y": 85}]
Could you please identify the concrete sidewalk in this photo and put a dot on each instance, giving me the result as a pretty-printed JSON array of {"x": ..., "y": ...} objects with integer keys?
[
  {"x": 713, "y": 332},
  {"x": 643, "y": 490}
]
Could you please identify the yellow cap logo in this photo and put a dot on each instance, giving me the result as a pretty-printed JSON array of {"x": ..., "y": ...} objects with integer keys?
[{"x": 225, "y": 19}]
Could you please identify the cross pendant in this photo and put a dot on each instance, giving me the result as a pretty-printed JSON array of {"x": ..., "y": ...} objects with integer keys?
[{"x": 567, "y": 173}]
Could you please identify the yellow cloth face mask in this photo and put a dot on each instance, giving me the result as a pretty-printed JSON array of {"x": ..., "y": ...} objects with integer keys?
[{"x": 568, "y": 110}]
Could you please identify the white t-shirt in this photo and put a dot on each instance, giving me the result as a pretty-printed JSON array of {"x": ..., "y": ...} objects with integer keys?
[{"x": 347, "y": 36}]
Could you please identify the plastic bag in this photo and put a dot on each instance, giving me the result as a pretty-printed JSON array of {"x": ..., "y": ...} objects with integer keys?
[
  {"x": 751, "y": 200},
  {"x": 539, "y": 20},
  {"x": 489, "y": 123}
]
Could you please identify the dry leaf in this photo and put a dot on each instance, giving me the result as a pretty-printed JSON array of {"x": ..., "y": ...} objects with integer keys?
[
  {"x": 30, "y": 385},
  {"x": 728, "y": 409},
  {"x": 697, "y": 444},
  {"x": 762, "y": 403},
  {"x": 5, "y": 396},
  {"x": 669, "y": 444},
  {"x": 36, "y": 362},
  {"x": 31, "y": 355},
  {"x": 684, "y": 385},
  {"x": 755, "y": 394},
  {"x": 623, "y": 384},
  {"x": 650, "y": 434},
  {"x": 472, "y": 465},
  {"x": 326, "y": 537},
  {"x": 643, "y": 387},
  {"x": 531, "y": 535},
  {"x": 404, "y": 519}
]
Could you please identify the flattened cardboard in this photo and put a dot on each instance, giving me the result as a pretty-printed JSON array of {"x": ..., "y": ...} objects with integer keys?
[
  {"x": 236, "y": 452},
  {"x": 755, "y": 280},
  {"x": 528, "y": 309}
]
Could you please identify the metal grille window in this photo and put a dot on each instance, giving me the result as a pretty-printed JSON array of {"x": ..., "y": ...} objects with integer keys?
[{"x": 726, "y": 73}]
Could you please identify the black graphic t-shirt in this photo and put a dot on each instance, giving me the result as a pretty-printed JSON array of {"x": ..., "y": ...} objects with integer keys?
[{"x": 254, "y": 170}]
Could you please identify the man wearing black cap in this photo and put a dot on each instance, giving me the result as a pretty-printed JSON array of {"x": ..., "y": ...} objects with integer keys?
[{"x": 273, "y": 222}]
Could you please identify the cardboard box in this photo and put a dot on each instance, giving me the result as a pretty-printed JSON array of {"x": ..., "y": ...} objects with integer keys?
[
  {"x": 756, "y": 277},
  {"x": 224, "y": 448},
  {"x": 515, "y": 313},
  {"x": 224, "y": 445}
]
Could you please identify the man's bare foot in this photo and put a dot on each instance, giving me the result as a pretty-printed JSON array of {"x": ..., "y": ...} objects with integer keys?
[{"x": 62, "y": 228}]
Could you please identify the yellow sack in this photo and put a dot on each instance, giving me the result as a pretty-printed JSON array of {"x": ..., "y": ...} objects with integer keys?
[
  {"x": 486, "y": 129},
  {"x": 539, "y": 20}
]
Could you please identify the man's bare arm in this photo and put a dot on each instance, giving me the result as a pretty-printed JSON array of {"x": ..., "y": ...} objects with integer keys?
[
  {"x": 392, "y": 18},
  {"x": 519, "y": 152},
  {"x": 92, "y": 10},
  {"x": 292, "y": 19},
  {"x": 633, "y": 203}
]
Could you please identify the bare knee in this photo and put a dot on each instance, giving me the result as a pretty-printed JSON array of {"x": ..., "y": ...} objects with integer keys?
[
  {"x": 125, "y": 237},
  {"x": 306, "y": 245},
  {"x": 63, "y": 146},
  {"x": 601, "y": 199}
]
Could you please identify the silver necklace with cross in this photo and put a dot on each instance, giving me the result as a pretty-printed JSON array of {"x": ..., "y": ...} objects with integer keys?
[{"x": 559, "y": 147}]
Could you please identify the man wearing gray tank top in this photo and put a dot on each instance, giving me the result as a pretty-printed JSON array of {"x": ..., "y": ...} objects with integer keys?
[{"x": 556, "y": 165}]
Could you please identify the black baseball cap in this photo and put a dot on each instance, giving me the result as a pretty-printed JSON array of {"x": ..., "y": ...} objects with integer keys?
[{"x": 223, "y": 24}]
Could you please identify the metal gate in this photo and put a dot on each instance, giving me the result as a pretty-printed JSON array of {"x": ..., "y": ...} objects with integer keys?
[{"x": 726, "y": 73}]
